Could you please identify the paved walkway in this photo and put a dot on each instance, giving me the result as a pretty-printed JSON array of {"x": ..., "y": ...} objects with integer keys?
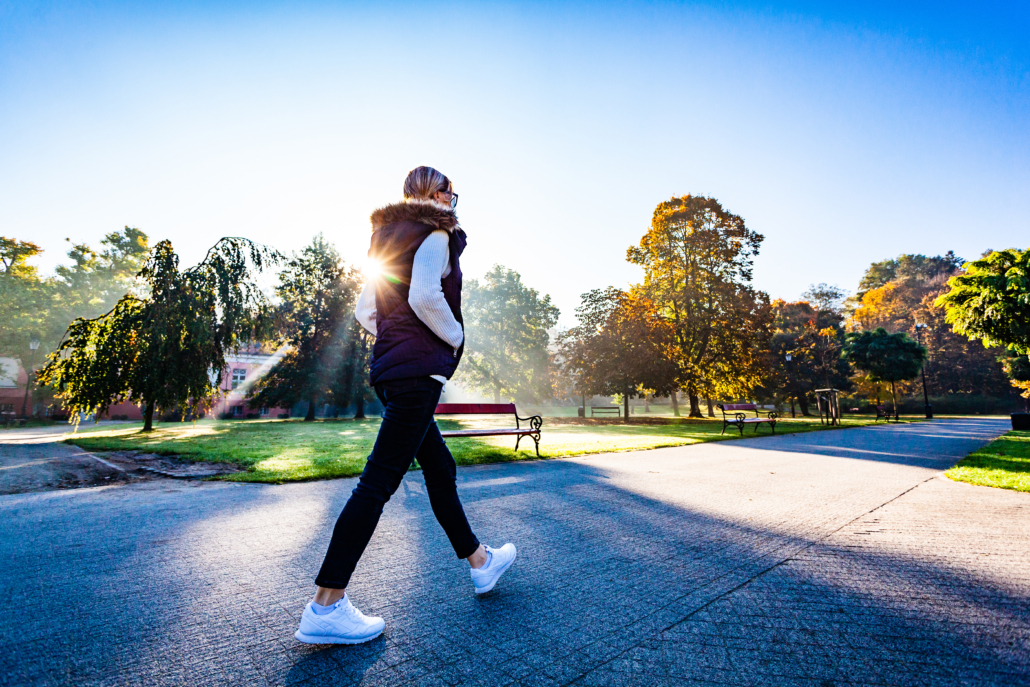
[{"x": 834, "y": 558}]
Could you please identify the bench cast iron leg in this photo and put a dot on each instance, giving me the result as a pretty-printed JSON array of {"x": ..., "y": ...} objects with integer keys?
[
  {"x": 518, "y": 438},
  {"x": 724, "y": 425},
  {"x": 536, "y": 440},
  {"x": 740, "y": 426}
]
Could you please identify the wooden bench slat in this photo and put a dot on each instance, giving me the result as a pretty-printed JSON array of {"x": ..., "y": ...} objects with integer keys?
[
  {"x": 484, "y": 432},
  {"x": 740, "y": 406},
  {"x": 475, "y": 408}
]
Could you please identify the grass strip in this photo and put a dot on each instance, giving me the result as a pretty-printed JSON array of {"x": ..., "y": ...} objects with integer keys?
[
  {"x": 1004, "y": 463},
  {"x": 292, "y": 450}
]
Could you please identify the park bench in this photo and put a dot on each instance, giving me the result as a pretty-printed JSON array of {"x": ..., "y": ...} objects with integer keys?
[
  {"x": 604, "y": 410},
  {"x": 518, "y": 431},
  {"x": 735, "y": 415},
  {"x": 882, "y": 412}
]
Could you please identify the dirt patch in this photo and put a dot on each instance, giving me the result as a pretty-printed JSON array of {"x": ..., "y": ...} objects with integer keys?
[
  {"x": 146, "y": 464},
  {"x": 50, "y": 466}
]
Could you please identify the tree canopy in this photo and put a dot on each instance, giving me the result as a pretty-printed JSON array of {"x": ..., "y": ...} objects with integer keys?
[
  {"x": 315, "y": 317},
  {"x": 991, "y": 301},
  {"x": 506, "y": 337},
  {"x": 907, "y": 296},
  {"x": 165, "y": 348},
  {"x": 885, "y": 357},
  {"x": 622, "y": 345},
  {"x": 814, "y": 337},
  {"x": 24, "y": 297},
  {"x": 697, "y": 259}
]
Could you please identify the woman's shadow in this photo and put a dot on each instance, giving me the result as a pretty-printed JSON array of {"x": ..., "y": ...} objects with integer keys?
[{"x": 337, "y": 664}]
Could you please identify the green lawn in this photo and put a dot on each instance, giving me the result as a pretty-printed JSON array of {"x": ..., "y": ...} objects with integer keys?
[
  {"x": 291, "y": 450},
  {"x": 1004, "y": 463}
]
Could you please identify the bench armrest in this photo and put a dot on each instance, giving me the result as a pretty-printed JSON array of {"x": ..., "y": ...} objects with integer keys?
[
  {"x": 535, "y": 421},
  {"x": 771, "y": 414}
]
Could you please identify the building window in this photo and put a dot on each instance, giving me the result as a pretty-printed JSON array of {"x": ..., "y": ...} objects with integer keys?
[
  {"x": 239, "y": 375},
  {"x": 237, "y": 410},
  {"x": 264, "y": 411}
]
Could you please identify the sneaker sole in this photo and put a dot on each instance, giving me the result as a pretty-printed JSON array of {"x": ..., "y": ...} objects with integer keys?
[
  {"x": 484, "y": 590},
  {"x": 325, "y": 639}
]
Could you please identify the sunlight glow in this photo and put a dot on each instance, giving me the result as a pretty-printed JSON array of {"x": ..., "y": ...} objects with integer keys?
[{"x": 371, "y": 268}]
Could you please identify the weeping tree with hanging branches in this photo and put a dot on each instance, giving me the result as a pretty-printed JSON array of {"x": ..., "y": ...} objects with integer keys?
[{"x": 165, "y": 349}]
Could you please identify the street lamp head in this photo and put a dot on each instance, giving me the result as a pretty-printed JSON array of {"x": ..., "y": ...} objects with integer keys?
[
  {"x": 920, "y": 325},
  {"x": 789, "y": 356},
  {"x": 34, "y": 344}
]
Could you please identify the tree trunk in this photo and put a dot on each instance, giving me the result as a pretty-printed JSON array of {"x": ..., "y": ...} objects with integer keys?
[
  {"x": 803, "y": 402},
  {"x": 674, "y": 397},
  {"x": 310, "y": 417},
  {"x": 585, "y": 406},
  {"x": 497, "y": 394},
  {"x": 647, "y": 405},
  {"x": 148, "y": 417},
  {"x": 625, "y": 405},
  {"x": 894, "y": 400},
  {"x": 359, "y": 407},
  {"x": 695, "y": 404},
  {"x": 711, "y": 407}
]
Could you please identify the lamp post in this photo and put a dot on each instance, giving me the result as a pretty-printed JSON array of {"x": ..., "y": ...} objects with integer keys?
[
  {"x": 920, "y": 327},
  {"x": 790, "y": 384},
  {"x": 33, "y": 345}
]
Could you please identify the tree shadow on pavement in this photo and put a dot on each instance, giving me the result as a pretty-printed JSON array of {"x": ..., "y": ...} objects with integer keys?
[{"x": 641, "y": 573}]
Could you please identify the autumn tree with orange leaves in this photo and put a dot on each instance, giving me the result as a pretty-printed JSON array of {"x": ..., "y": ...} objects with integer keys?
[{"x": 697, "y": 259}]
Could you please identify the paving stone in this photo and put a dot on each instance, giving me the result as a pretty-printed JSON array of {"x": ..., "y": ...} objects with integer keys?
[{"x": 835, "y": 558}]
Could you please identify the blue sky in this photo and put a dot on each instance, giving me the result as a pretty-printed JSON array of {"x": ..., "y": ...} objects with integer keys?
[{"x": 844, "y": 136}]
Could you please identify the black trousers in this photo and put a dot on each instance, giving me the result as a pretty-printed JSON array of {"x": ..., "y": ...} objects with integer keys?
[{"x": 408, "y": 431}]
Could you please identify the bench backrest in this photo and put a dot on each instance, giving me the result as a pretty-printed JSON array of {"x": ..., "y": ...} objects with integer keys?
[
  {"x": 738, "y": 406},
  {"x": 474, "y": 408}
]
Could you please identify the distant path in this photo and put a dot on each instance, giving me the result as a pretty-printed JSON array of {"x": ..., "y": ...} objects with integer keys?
[{"x": 828, "y": 558}]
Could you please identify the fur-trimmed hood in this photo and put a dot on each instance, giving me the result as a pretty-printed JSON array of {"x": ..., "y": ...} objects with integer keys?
[{"x": 416, "y": 210}]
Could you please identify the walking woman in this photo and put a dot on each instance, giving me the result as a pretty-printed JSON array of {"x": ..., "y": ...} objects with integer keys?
[{"x": 413, "y": 307}]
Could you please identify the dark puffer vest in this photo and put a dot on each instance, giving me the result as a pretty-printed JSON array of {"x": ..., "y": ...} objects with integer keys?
[{"x": 405, "y": 347}]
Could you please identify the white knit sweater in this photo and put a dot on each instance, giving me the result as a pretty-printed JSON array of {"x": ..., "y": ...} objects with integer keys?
[{"x": 425, "y": 293}]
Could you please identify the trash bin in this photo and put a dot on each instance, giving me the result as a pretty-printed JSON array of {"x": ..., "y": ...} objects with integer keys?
[{"x": 582, "y": 411}]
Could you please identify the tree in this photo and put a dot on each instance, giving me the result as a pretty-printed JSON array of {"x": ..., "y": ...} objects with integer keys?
[
  {"x": 95, "y": 281},
  {"x": 622, "y": 345},
  {"x": 166, "y": 348},
  {"x": 352, "y": 381},
  {"x": 1017, "y": 367},
  {"x": 991, "y": 301},
  {"x": 24, "y": 297},
  {"x": 814, "y": 338},
  {"x": 506, "y": 338},
  {"x": 315, "y": 318},
  {"x": 886, "y": 357},
  {"x": 906, "y": 294},
  {"x": 697, "y": 259},
  {"x": 908, "y": 267}
]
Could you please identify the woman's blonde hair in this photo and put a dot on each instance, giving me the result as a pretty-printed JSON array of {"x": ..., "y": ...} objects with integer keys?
[{"x": 423, "y": 182}]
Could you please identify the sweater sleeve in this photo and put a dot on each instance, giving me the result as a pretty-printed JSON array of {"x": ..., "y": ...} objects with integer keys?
[
  {"x": 365, "y": 312},
  {"x": 425, "y": 296}
]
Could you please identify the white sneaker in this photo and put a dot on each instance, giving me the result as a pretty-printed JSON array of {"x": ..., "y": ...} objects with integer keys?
[
  {"x": 499, "y": 560},
  {"x": 343, "y": 625}
]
